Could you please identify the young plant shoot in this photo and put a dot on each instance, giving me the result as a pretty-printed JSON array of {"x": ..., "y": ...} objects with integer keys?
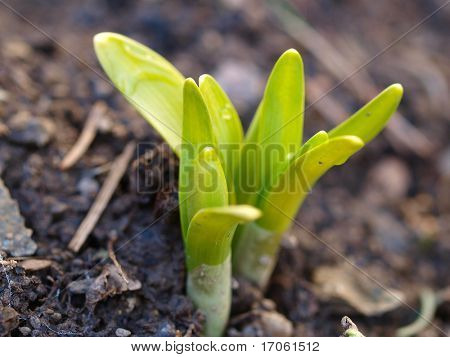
[
  {"x": 193, "y": 120},
  {"x": 258, "y": 182},
  {"x": 280, "y": 184}
]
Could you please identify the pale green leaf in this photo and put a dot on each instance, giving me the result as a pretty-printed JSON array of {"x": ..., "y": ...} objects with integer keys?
[
  {"x": 202, "y": 181},
  {"x": 226, "y": 125},
  {"x": 211, "y": 231},
  {"x": 202, "y": 185},
  {"x": 317, "y": 139},
  {"x": 368, "y": 121},
  {"x": 280, "y": 204},
  {"x": 277, "y": 128},
  {"x": 197, "y": 126},
  {"x": 147, "y": 80},
  {"x": 251, "y": 136}
]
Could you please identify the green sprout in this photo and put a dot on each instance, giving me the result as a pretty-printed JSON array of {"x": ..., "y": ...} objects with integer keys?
[
  {"x": 237, "y": 194},
  {"x": 282, "y": 185},
  {"x": 188, "y": 118}
]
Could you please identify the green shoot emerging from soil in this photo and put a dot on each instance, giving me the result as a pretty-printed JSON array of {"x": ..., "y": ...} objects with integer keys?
[
  {"x": 257, "y": 182},
  {"x": 186, "y": 116}
]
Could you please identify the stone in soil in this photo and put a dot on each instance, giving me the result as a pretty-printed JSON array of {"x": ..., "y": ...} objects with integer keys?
[
  {"x": 9, "y": 320},
  {"x": 27, "y": 129},
  {"x": 15, "y": 238}
]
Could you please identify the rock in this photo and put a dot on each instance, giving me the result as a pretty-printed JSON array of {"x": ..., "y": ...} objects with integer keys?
[
  {"x": 444, "y": 163},
  {"x": 268, "y": 304},
  {"x": 275, "y": 325},
  {"x": 388, "y": 180},
  {"x": 121, "y": 332},
  {"x": 27, "y": 129},
  {"x": 4, "y": 95},
  {"x": 35, "y": 322},
  {"x": 242, "y": 82},
  {"x": 15, "y": 238},
  {"x": 56, "y": 317},
  {"x": 9, "y": 320},
  {"x": 25, "y": 331},
  {"x": 392, "y": 234},
  {"x": 88, "y": 186},
  {"x": 165, "y": 329},
  {"x": 17, "y": 49}
]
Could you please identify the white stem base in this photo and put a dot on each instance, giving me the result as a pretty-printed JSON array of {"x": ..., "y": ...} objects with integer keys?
[{"x": 209, "y": 287}]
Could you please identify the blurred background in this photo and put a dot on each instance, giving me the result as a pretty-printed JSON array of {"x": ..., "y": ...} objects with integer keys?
[{"x": 387, "y": 210}]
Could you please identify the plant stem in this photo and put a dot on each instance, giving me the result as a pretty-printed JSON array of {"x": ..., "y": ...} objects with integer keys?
[
  {"x": 209, "y": 287},
  {"x": 255, "y": 252}
]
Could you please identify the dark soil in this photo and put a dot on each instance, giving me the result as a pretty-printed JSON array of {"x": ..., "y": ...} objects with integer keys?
[{"x": 387, "y": 210}]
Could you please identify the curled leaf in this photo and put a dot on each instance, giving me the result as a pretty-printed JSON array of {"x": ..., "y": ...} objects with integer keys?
[
  {"x": 147, "y": 80},
  {"x": 211, "y": 231}
]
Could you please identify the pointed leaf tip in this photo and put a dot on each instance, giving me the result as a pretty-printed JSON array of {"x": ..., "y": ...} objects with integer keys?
[
  {"x": 102, "y": 38},
  {"x": 226, "y": 126},
  {"x": 368, "y": 121},
  {"x": 396, "y": 89},
  {"x": 204, "y": 78},
  {"x": 291, "y": 53},
  {"x": 190, "y": 83},
  {"x": 281, "y": 202}
]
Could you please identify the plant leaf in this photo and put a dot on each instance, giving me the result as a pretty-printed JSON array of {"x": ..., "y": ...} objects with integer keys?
[
  {"x": 368, "y": 121},
  {"x": 211, "y": 231},
  {"x": 204, "y": 185},
  {"x": 147, "y": 80},
  {"x": 296, "y": 181},
  {"x": 202, "y": 181},
  {"x": 317, "y": 139},
  {"x": 277, "y": 127},
  {"x": 197, "y": 126},
  {"x": 226, "y": 125}
]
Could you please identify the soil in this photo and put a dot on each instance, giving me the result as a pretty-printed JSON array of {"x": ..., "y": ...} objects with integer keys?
[{"x": 387, "y": 210}]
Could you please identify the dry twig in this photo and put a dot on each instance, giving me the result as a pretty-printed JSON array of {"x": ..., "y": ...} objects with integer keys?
[
  {"x": 86, "y": 137},
  {"x": 113, "y": 257},
  {"x": 116, "y": 172}
]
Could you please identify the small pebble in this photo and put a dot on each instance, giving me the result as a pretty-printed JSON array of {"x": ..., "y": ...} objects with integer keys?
[
  {"x": 24, "y": 128},
  {"x": 275, "y": 324},
  {"x": 165, "y": 329},
  {"x": 121, "y": 332},
  {"x": 35, "y": 322},
  {"x": 444, "y": 162},
  {"x": 25, "y": 331},
  {"x": 242, "y": 81},
  {"x": 56, "y": 317},
  {"x": 389, "y": 179},
  {"x": 268, "y": 304},
  {"x": 88, "y": 186}
]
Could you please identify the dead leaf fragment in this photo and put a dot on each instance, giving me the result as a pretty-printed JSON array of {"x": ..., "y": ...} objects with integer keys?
[
  {"x": 346, "y": 283},
  {"x": 110, "y": 282}
]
